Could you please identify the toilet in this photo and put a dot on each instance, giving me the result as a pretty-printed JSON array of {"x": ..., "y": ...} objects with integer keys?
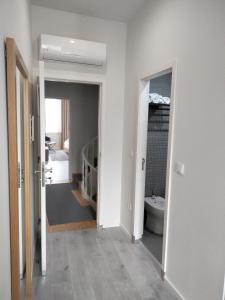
[{"x": 154, "y": 209}]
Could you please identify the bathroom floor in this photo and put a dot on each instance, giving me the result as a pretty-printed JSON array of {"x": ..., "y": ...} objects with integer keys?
[{"x": 153, "y": 243}]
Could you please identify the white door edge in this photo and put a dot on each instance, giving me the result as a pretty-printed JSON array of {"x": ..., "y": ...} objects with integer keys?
[{"x": 42, "y": 166}]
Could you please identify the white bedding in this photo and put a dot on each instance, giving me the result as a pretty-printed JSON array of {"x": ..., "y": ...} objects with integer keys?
[{"x": 66, "y": 145}]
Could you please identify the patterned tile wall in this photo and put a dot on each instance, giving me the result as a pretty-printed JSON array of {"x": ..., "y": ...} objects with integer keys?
[{"x": 157, "y": 144}]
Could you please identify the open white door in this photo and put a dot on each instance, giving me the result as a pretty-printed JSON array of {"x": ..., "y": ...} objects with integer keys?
[
  {"x": 141, "y": 160},
  {"x": 42, "y": 166}
]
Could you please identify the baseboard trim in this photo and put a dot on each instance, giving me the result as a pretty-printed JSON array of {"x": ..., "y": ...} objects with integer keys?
[
  {"x": 124, "y": 229},
  {"x": 99, "y": 227},
  {"x": 174, "y": 288},
  {"x": 110, "y": 225},
  {"x": 137, "y": 237}
]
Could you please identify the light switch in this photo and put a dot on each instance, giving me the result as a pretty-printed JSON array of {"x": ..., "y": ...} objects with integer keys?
[{"x": 179, "y": 168}]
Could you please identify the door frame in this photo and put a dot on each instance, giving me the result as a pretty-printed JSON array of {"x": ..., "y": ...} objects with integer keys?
[
  {"x": 141, "y": 135},
  {"x": 14, "y": 60},
  {"x": 52, "y": 74},
  {"x": 223, "y": 298}
]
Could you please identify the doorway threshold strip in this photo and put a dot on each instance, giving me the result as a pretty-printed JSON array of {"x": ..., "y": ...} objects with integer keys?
[{"x": 71, "y": 226}]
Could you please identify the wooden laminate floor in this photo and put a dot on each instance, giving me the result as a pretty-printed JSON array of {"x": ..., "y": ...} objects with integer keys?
[{"x": 98, "y": 265}]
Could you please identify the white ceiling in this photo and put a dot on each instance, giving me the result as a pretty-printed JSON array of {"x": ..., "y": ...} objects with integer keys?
[{"x": 118, "y": 10}]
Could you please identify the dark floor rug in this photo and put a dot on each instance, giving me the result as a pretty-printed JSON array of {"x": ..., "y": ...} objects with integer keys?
[
  {"x": 58, "y": 155},
  {"x": 62, "y": 207}
]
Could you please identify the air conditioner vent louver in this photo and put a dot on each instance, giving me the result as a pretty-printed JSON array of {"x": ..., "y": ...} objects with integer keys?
[{"x": 72, "y": 50}]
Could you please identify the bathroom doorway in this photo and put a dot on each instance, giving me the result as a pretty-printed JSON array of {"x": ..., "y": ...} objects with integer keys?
[
  {"x": 153, "y": 163},
  {"x": 156, "y": 163}
]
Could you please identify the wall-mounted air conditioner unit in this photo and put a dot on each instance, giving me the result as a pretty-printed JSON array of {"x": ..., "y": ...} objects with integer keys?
[{"x": 71, "y": 50}]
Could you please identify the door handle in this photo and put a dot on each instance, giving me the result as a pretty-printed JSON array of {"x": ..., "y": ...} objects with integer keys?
[
  {"x": 37, "y": 171},
  {"x": 42, "y": 172},
  {"x": 143, "y": 164},
  {"x": 46, "y": 171}
]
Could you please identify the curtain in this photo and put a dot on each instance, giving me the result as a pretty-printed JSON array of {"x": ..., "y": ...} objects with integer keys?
[{"x": 65, "y": 121}]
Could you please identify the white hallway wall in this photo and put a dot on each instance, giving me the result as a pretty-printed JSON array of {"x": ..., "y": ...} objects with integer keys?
[
  {"x": 83, "y": 115},
  {"x": 14, "y": 22},
  {"x": 114, "y": 35},
  {"x": 192, "y": 32}
]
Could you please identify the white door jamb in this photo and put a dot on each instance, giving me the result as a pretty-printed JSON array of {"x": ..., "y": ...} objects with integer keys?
[{"x": 138, "y": 206}]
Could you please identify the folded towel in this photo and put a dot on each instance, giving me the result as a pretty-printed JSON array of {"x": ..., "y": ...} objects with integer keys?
[
  {"x": 166, "y": 100},
  {"x": 158, "y": 99}
]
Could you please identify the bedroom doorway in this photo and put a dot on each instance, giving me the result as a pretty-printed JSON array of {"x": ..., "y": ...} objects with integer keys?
[
  {"x": 71, "y": 155},
  {"x": 87, "y": 174},
  {"x": 57, "y": 131}
]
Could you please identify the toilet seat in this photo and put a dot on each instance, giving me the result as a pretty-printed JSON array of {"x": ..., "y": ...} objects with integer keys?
[{"x": 156, "y": 202}]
